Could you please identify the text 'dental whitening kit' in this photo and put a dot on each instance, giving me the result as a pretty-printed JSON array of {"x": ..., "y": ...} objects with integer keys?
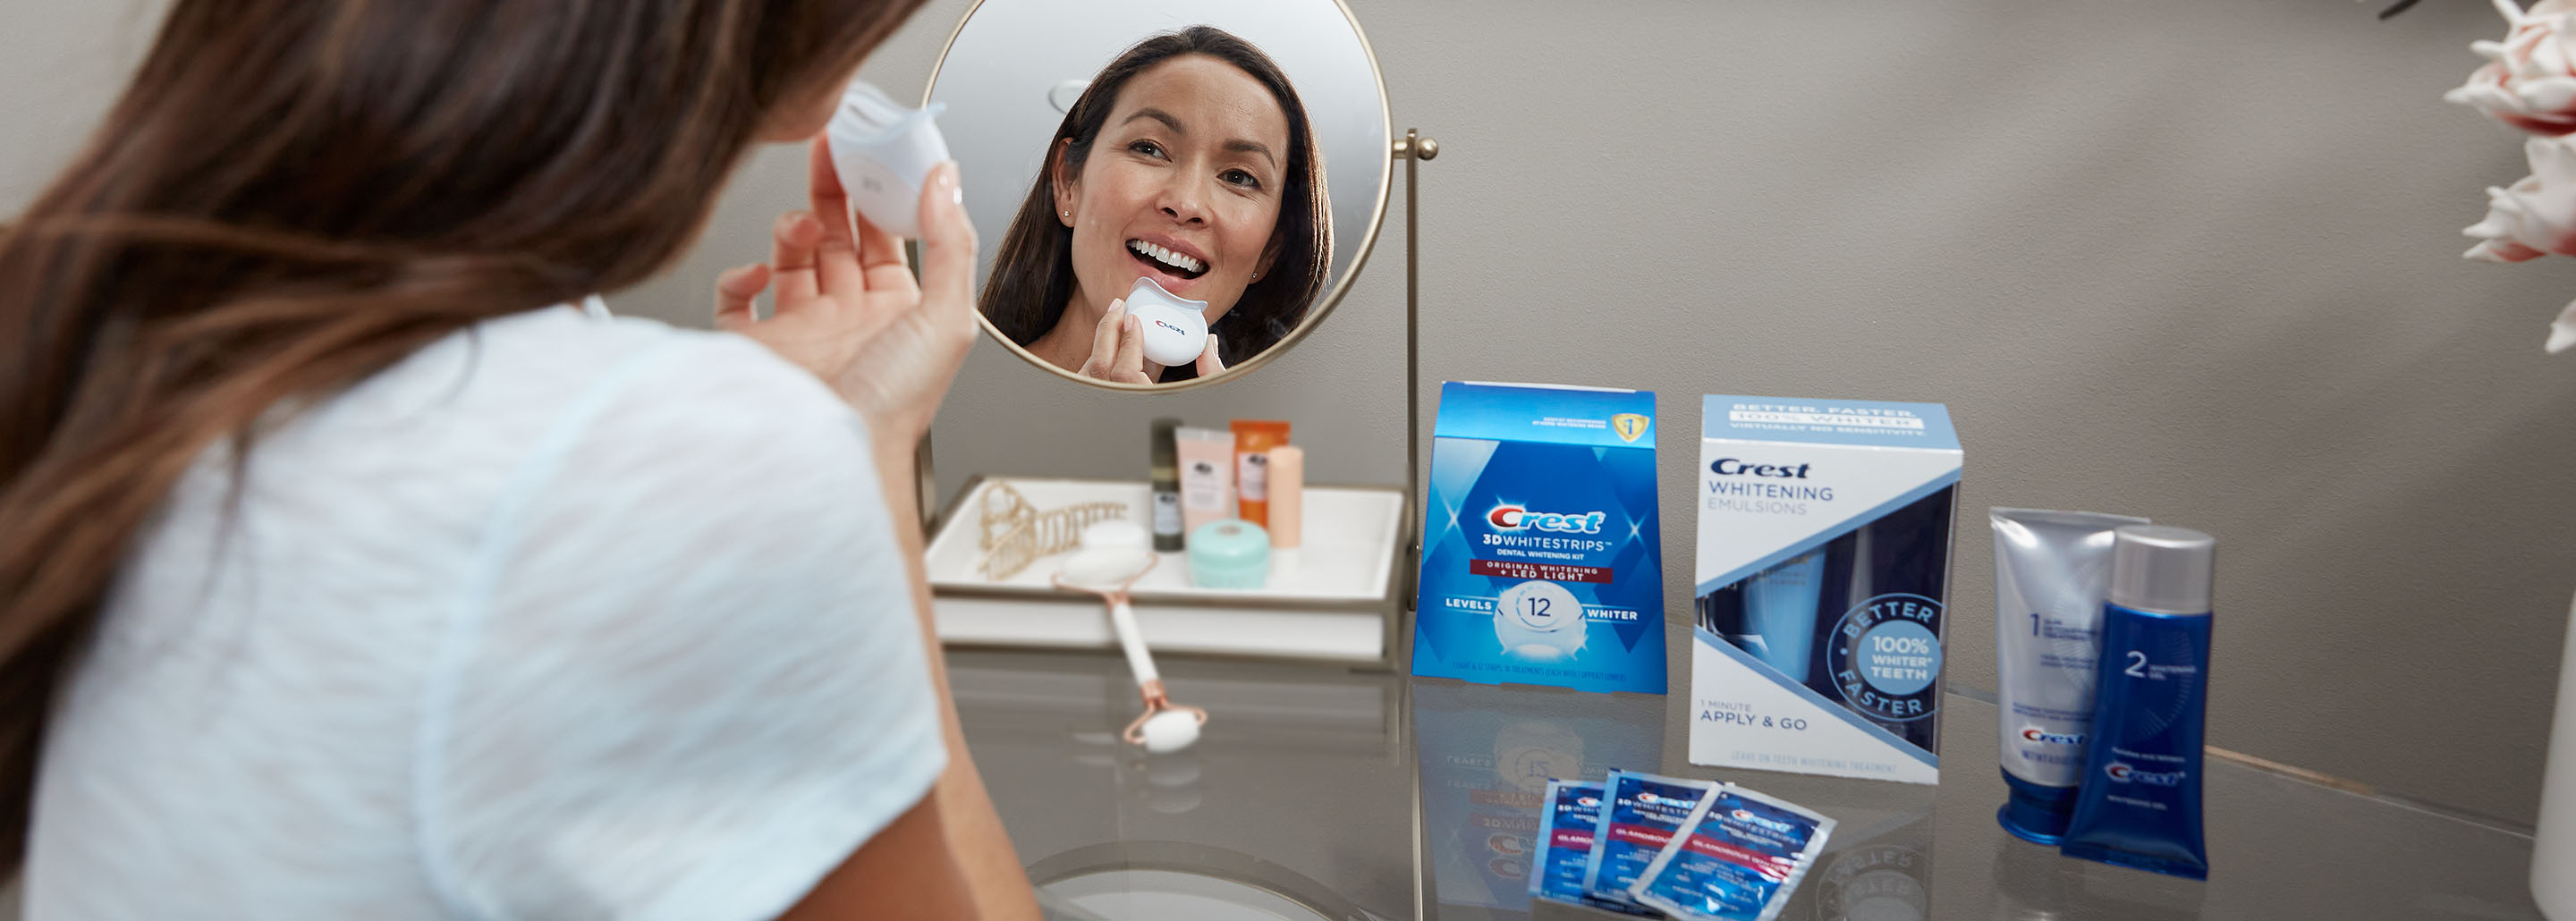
[
  {"x": 1541, "y": 551},
  {"x": 1823, "y": 576}
]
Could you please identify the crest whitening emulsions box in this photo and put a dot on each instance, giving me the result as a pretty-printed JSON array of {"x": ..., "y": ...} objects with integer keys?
[
  {"x": 1541, "y": 551},
  {"x": 1824, "y": 568}
]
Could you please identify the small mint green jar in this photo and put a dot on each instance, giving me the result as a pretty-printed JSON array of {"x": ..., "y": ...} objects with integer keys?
[{"x": 1231, "y": 553}]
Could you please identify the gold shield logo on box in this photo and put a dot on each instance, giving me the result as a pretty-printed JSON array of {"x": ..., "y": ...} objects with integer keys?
[{"x": 1629, "y": 425}]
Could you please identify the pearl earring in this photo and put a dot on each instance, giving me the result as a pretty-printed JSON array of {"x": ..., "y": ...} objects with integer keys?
[{"x": 1068, "y": 214}]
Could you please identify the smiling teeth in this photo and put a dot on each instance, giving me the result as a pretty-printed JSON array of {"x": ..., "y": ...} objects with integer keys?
[{"x": 1165, "y": 256}]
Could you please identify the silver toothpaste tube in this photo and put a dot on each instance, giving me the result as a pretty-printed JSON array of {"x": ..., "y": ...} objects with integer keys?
[{"x": 2051, "y": 570}]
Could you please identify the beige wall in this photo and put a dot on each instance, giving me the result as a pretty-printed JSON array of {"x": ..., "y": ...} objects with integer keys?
[{"x": 2193, "y": 259}]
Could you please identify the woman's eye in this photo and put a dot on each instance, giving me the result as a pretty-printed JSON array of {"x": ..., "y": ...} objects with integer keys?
[
  {"x": 1147, "y": 148},
  {"x": 1241, "y": 178}
]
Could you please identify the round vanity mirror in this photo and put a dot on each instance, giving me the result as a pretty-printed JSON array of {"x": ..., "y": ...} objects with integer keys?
[{"x": 1218, "y": 169}]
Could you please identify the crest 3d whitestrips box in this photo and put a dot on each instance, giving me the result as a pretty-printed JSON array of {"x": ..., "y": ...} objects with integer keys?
[
  {"x": 1824, "y": 568},
  {"x": 1541, "y": 550}
]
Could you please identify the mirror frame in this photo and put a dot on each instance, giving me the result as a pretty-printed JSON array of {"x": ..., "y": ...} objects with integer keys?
[{"x": 1332, "y": 297}]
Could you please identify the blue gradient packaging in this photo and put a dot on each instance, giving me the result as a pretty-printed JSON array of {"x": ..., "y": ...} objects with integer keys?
[
  {"x": 1542, "y": 554},
  {"x": 1742, "y": 853},
  {"x": 1640, "y": 813},
  {"x": 1565, "y": 838},
  {"x": 1823, "y": 569}
]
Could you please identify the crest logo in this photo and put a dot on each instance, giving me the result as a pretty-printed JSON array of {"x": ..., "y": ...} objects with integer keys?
[{"x": 1629, "y": 425}]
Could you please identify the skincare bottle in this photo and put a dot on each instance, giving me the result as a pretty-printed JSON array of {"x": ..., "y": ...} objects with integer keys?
[
  {"x": 1166, "y": 477},
  {"x": 1206, "y": 459},
  {"x": 2140, "y": 801},
  {"x": 1253, "y": 439},
  {"x": 1287, "y": 506}
]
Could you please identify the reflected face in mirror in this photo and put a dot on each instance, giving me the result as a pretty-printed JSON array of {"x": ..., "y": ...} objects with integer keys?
[
  {"x": 1189, "y": 161},
  {"x": 1182, "y": 187}
]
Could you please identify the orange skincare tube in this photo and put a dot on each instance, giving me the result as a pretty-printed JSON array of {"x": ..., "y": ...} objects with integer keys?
[{"x": 1253, "y": 439}]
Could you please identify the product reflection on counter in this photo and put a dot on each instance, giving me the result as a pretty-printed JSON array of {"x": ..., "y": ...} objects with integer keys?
[
  {"x": 1880, "y": 869},
  {"x": 2034, "y": 882},
  {"x": 1486, "y": 753}
]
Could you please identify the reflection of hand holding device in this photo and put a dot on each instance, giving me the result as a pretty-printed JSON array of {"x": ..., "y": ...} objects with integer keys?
[
  {"x": 883, "y": 151},
  {"x": 1175, "y": 328}
]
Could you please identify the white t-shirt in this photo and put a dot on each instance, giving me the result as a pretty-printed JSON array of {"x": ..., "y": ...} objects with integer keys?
[{"x": 559, "y": 618}]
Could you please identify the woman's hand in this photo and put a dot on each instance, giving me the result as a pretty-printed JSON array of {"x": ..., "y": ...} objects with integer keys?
[
  {"x": 848, "y": 309},
  {"x": 1209, "y": 364},
  {"x": 1118, "y": 350}
]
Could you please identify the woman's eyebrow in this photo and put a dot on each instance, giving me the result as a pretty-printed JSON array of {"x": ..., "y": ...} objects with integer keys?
[
  {"x": 1160, "y": 116},
  {"x": 1244, "y": 146}
]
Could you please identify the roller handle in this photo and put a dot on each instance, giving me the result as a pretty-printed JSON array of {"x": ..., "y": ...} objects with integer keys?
[{"x": 1122, "y": 617}]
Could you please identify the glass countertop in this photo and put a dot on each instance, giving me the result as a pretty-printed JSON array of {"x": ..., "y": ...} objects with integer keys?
[{"x": 1320, "y": 792}]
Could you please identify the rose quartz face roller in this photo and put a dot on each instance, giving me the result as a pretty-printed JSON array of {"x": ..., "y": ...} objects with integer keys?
[{"x": 1114, "y": 555}]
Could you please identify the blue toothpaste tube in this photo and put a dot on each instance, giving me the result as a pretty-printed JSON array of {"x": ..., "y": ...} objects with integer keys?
[
  {"x": 1640, "y": 813},
  {"x": 1565, "y": 837},
  {"x": 2140, "y": 801},
  {"x": 1741, "y": 858}
]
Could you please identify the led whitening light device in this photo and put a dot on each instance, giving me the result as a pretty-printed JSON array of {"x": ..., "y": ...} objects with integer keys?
[
  {"x": 1175, "y": 327},
  {"x": 883, "y": 153}
]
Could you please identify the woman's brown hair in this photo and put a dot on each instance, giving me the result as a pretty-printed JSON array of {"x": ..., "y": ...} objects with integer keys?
[
  {"x": 293, "y": 194},
  {"x": 1033, "y": 268}
]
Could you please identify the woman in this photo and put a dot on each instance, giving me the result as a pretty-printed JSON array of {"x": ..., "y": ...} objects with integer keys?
[
  {"x": 1188, "y": 160},
  {"x": 346, "y": 578}
]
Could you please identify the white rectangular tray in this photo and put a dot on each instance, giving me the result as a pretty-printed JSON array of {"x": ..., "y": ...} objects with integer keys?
[
  {"x": 1338, "y": 603},
  {"x": 1349, "y": 553}
]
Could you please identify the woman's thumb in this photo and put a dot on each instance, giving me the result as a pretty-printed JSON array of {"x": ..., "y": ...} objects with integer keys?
[
  {"x": 947, "y": 239},
  {"x": 1210, "y": 364}
]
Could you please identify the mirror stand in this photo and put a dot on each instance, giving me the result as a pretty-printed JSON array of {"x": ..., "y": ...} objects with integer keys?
[{"x": 1413, "y": 149}]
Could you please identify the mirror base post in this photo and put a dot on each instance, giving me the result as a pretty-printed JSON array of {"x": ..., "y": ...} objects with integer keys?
[{"x": 1413, "y": 149}]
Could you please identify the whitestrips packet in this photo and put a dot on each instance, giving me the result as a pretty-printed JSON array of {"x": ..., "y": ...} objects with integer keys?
[
  {"x": 1640, "y": 813},
  {"x": 1741, "y": 856},
  {"x": 1566, "y": 826}
]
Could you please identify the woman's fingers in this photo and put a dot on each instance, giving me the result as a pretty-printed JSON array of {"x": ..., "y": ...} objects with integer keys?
[
  {"x": 881, "y": 259},
  {"x": 1209, "y": 364},
  {"x": 948, "y": 241},
  {"x": 1130, "y": 360},
  {"x": 837, "y": 252},
  {"x": 1105, "y": 334},
  {"x": 793, "y": 243},
  {"x": 735, "y": 291}
]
